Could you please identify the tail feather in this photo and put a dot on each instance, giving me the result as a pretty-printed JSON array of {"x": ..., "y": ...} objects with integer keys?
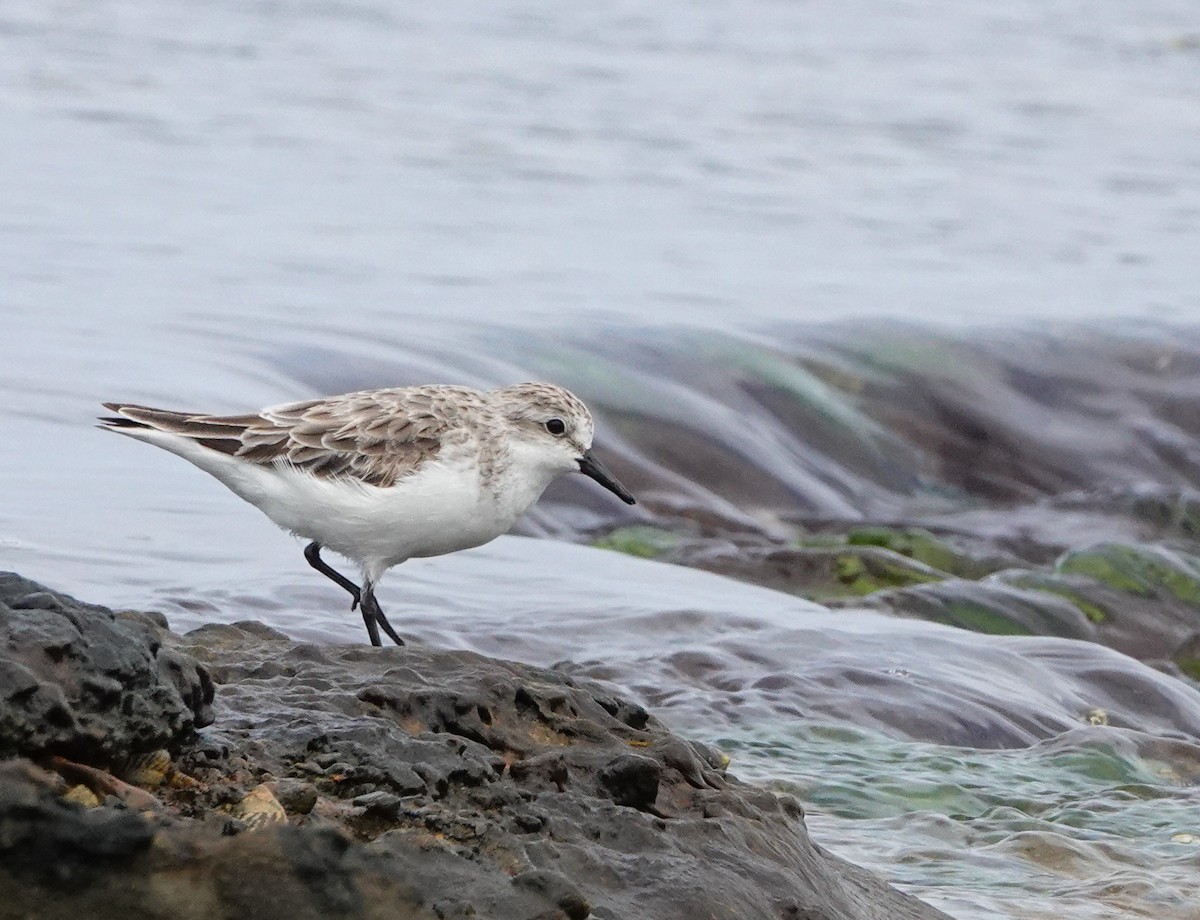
[
  {"x": 221, "y": 433},
  {"x": 116, "y": 421}
]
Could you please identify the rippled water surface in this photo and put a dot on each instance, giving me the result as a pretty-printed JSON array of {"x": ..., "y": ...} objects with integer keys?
[
  {"x": 814, "y": 265},
  {"x": 1084, "y": 826}
]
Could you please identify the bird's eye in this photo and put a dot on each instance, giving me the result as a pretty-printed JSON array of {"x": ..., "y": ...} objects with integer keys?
[{"x": 556, "y": 426}]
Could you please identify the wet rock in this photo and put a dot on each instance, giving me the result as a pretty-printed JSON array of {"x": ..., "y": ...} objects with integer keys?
[
  {"x": 1079, "y": 591},
  {"x": 1142, "y": 570},
  {"x": 1141, "y": 599},
  {"x": 1187, "y": 657},
  {"x": 813, "y": 572},
  {"x": 525, "y": 773},
  {"x": 1137, "y": 599},
  {"x": 89, "y": 683},
  {"x": 928, "y": 549},
  {"x": 991, "y": 607},
  {"x": 447, "y": 784},
  {"x": 1147, "y": 626},
  {"x": 639, "y": 540}
]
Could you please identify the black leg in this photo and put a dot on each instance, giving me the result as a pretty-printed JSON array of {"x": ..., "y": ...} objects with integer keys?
[
  {"x": 372, "y": 614},
  {"x": 312, "y": 553},
  {"x": 369, "y": 603},
  {"x": 372, "y": 625}
]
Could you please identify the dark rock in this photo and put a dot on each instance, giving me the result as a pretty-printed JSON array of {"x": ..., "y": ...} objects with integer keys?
[
  {"x": 58, "y": 862},
  {"x": 529, "y": 820},
  {"x": 296, "y": 796},
  {"x": 544, "y": 771},
  {"x": 85, "y": 682},
  {"x": 556, "y": 889},
  {"x": 449, "y": 784},
  {"x": 54, "y": 842},
  {"x": 632, "y": 780},
  {"x": 381, "y": 803}
]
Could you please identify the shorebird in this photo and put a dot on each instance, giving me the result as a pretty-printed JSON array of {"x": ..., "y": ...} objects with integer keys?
[{"x": 381, "y": 476}]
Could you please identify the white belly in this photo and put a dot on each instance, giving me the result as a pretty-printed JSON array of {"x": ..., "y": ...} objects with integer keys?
[
  {"x": 442, "y": 508},
  {"x": 436, "y": 511}
]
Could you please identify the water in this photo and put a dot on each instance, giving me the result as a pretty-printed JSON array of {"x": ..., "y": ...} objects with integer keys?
[
  {"x": 693, "y": 162},
  {"x": 771, "y": 244},
  {"x": 1087, "y": 825}
]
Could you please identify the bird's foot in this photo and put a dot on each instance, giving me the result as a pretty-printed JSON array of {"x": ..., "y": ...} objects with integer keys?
[{"x": 372, "y": 609}]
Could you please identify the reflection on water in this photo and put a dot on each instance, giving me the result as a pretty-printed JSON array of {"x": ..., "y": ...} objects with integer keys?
[{"x": 673, "y": 210}]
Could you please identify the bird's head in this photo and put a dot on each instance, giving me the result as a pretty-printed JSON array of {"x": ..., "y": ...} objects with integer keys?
[{"x": 557, "y": 429}]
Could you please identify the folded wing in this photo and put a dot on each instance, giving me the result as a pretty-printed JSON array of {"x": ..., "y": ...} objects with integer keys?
[{"x": 378, "y": 437}]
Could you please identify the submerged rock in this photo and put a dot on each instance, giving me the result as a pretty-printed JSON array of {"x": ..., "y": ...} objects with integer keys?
[
  {"x": 1139, "y": 598},
  {"x": 639, "y": 540},
  {"x": 421, "y": 783},
  {"x": 991, "y": 606},
  {"x": 936, "y": 552},
  {"x": 1141, "y": 570},
  {"x": 814, "y": 572}
]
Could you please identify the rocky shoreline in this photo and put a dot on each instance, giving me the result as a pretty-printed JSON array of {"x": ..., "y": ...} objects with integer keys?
[
  {"x": 235, "y": 772},
  {"x": 1132, "y": 589}
]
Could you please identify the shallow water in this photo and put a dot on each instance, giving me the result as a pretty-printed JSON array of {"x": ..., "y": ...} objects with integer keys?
[
  {"x": 684, "y": 213},
  {"x": 1092, "y": 824}
]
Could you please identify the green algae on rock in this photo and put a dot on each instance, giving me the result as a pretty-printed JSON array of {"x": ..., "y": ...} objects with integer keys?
[
  {"x": 818, "y": 573},
  {"x": 1142, "y": 570},
  {"x": 1073, "y": 589},
  {"x": 923, "y": 546},
  {"x": 862, "y": 571},
  {"x": 990, "y": 606},
  {"x": 1147, "y": 622},
  {"x": 639, "y": 540},
  {"x": 1187, "y": 657}
]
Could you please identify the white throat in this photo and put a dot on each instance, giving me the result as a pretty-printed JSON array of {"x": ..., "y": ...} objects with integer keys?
[{"x": 532, "y": 468}]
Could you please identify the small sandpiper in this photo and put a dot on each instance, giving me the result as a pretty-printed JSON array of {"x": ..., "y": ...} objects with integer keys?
[{"x": 381, "y": 476}]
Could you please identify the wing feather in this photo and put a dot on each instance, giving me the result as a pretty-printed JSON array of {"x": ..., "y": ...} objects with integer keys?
[{"x": 378, "y": 436}]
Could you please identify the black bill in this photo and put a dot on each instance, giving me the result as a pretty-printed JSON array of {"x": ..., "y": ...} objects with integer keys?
[{"x": 590, "y": 466}]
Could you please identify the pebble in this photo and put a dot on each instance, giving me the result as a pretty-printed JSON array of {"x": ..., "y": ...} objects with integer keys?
[
  {"x": 81, "y": 795},
  {"x": 296, "y": 796},
  {"x": 381, "y": 803}
]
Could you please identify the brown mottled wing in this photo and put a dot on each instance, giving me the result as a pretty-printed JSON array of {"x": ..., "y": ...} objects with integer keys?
[{"x": 378, "y": 437}]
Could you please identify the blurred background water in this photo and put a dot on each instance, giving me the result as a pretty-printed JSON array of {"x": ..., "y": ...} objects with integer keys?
[{"x": 815, "y": 265}]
